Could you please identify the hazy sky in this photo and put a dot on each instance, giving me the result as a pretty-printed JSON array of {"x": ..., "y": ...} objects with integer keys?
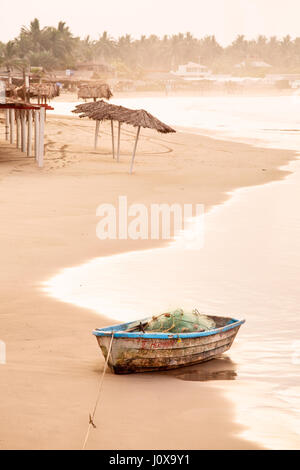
[{"x": 224, "y": 18}]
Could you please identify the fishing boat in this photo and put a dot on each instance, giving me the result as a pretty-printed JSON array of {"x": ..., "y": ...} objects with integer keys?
[{"x": 132, "y": 351}]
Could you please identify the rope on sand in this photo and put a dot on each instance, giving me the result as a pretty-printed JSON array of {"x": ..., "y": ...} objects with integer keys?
[{"x": 92, "y": 416}]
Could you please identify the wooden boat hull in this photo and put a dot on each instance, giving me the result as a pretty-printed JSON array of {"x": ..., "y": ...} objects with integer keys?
[{"x": 145, "y": 352}]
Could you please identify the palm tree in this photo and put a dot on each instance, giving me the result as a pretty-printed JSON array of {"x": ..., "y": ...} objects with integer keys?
[
  {"x": 287, "y": 50},
  {"x": 66, "y": 37},
  {"x": 125, "y": 50},
  {"x": 43, "y": 59},
  {"x": 10, "y": 57},
  {"x": 86, "y": 50},
  {"x": 209, "y": 50},
  {"x": 32, "y": 38},
  {"x": 60, "y": 42},
  {"x": 105, "y": 47},
  {"x": 239, "y": 48}
]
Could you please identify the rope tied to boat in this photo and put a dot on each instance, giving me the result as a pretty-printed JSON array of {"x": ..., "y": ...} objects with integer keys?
[{"x": 92, "y": 416}]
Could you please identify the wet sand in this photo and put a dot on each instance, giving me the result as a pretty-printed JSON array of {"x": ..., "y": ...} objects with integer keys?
[{"x": 49, "y": 383}]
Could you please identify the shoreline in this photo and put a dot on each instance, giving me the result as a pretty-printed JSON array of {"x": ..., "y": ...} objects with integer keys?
[
  {"x": 50, "y": 225},
  {"x": 71, "y": 97},
  {"x": 162, "y": 244}
]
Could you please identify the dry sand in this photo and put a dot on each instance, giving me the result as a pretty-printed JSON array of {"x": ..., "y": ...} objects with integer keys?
[{"x": 48, "y": 222}]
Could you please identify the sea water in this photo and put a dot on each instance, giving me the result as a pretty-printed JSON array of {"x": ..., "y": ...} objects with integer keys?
[{"x": 249, "y": 266}]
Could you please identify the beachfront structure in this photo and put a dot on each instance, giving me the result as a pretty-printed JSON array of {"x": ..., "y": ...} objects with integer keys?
[
  {"x": 100, "y": 111},
  {"x": 20, "y": 119},
  {"x": 253, "y": 63},
  {"x": 43, "y": 92},
  {"x": 192, "y": 70},
  {"x": 92, "y": 67}
]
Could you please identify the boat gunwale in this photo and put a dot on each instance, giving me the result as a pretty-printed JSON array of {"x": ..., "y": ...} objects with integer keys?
[{"x": 118, "y": 331}]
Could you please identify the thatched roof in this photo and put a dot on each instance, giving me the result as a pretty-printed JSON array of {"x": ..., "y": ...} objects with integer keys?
[
  {"x": 47, "y": 90},
  {"x": 141, "y": 118},
  {"x": 36, "y": 90},
  {"x": 85, "y": 109},
  {"x": 100, "y": 110},
  {"x": 101, "y": 90}
]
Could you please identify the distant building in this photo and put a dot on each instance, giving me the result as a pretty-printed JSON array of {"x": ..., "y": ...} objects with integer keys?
[
  {"x": 295, "y": 84},
  {"x": 253, "y": 63},
  {"x": 192, "y": 70},
  {"x": 94, "y": 67},
  {"x": 87, "y": 70}
]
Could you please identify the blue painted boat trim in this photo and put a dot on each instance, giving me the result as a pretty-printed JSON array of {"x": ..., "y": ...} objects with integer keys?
[{"x": 120, "y": 333}]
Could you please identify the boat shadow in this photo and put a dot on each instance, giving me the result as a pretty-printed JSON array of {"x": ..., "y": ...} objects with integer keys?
[{"x": 222, "y": 368}]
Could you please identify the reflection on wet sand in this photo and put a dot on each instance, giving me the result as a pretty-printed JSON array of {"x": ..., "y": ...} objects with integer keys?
[{"x": 222, "y": 368}]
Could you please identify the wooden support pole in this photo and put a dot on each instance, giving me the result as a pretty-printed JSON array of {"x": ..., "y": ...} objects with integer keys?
[
  {"x": 36, "y": 134},
  {"x": 7, "y": 124},
  {"x": 18, "y": 121},
  {"x": 23, "y": 131},
  {"x": 112, "y": 138},
  {"x": 29, "y": 133},
  {"x": 27, "y": 85},
  {"x": 134, "y": 150},
  {"x": 96, "y": 134},
  {"x": 11, "y": 125},
  {"x": 119, "y": 137},
  {"x": 42, "y": 125}
]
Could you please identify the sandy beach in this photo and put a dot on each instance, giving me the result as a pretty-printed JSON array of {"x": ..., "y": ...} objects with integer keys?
[{"x": 49, "y": 383}]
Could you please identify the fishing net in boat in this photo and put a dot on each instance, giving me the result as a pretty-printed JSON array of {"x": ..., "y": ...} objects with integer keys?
[{"x": 177, "y": 321}]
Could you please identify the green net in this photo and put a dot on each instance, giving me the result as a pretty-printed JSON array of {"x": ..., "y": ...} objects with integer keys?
[{"x": 177, "y": 321}]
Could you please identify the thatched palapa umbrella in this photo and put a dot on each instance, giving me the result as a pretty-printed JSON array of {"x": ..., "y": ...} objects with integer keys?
[
  {"x": 43, "y": 91},
  {"x": 100, "y": 110},
  {"x": 94, "y": 90},
  {"x": 113, "y": 113}
]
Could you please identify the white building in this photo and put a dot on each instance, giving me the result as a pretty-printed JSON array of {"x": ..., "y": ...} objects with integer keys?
[
  {"x": 192, "y": 70},
  {"x": 253, "y": 63}
]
